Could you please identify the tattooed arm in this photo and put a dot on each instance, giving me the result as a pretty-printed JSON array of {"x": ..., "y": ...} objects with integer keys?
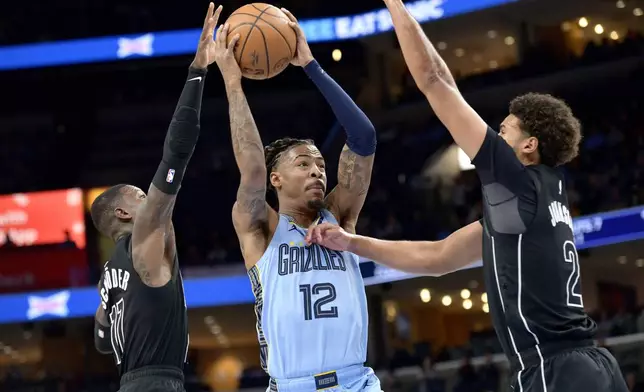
[
  {"x": 436, "y": 82},
  {"x": 251, "y": 214},
  {"x": 253, "y": 219},
  {"x": 347, "y": 198},
  {"x": 250, "y": 210}
]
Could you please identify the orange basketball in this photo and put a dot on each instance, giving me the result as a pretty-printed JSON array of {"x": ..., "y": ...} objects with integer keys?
[{"x": 266, "y": 44}]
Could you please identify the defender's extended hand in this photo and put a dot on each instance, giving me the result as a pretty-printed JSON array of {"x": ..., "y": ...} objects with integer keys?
[
  {"x": 303, "y": 54},
  {"x": 206, "y": 50},
  {"x": 330, "y": 236},
  {"x": 225, "y": 55}
]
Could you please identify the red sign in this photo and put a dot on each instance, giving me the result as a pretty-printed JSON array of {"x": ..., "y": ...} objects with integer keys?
[
  {"x": 42, "y": 268},
  {"x": 42, "y": 217}
]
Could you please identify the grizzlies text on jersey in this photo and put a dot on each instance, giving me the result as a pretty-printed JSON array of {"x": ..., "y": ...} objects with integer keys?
[{"x": 311, "y": 305}]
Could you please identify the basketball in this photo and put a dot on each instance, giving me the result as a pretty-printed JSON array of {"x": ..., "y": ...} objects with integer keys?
[{"x": 266, "y": 44}]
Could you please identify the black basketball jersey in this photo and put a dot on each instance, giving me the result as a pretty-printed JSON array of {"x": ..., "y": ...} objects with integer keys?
[
  {"x": 530, "y": 262},
  {"x": 148, "y": 325}
]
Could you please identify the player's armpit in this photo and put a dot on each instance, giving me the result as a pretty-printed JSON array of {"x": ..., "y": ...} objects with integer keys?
[
  {"x": 254, "y": 235},
  {"x": 152, "y": 226},
  {"x": 354, "y": 176},
  {"x": 459, "y": 250}
]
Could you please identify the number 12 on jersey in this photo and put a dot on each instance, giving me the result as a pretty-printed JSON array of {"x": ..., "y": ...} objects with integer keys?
[
  {"x": 573, "y": 286},
  {"x": 116, "y": 329},
  {"x": 315, "y": 309}
]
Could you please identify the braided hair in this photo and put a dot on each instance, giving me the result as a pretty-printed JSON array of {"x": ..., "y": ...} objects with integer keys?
[{"x": 274, "y": 151}]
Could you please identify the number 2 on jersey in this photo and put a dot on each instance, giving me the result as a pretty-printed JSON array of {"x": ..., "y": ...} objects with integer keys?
[
  {"x": 116, "y": 329},
  {"x": 573, "y": 286},
  {"x": 314, "y": 309}
]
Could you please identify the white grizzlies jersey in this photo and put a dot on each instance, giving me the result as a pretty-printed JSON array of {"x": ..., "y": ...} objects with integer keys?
[{"x": 310, "y": 304}]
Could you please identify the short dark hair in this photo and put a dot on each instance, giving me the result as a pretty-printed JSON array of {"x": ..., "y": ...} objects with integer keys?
[
  {"x": 274, "y": 151},
  {"x": 551, "y": 121},
  {"x": 102, "y": 209}
]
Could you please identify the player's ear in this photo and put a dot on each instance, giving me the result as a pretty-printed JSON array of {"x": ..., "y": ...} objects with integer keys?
[
  {"x": 276, "y": 180},
  {"x": 530, "y": 145},
  {"x": 122, "y": 214}
]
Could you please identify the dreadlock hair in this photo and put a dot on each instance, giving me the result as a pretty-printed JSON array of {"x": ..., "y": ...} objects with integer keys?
[
  {"x": 102, "y": 210},
  {"x": 274, "y": 151},
  {"x": 551, "y": 121}
]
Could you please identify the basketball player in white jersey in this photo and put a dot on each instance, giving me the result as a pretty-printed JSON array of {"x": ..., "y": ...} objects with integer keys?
[{"x": 311, "y": 305}]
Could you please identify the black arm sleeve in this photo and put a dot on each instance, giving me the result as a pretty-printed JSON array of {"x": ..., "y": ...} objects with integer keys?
[
  {"x": 509, "y": 191},
  {"x": 102, "y": 338},
  {"x": 182, "y": 135}
]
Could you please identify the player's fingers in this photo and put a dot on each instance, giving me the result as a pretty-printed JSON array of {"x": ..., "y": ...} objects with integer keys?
[
  {"x": 224, "y": 36},
  {"x": 309, "y": 236},
  {"x": 289, "y": 15},
  {"x": 294, "y": 26},
  {"x": 218, "y": 38},
  {"x": 233, "y": 42},
  {"x": 206, "y": 22},
  {"x": 211, "y": 6},
  {"x": 209, "y": 31},
  {"x": 215, "y": 17},
  {"x": 313, "y": 235},
  {"x": 321, "y": 231}
]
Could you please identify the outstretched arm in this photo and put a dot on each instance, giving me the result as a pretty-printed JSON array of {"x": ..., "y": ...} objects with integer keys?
[
  {"x": 435, "y": 81},
  {"x": 250, "y": 211},
  {"x": 251, "y": 214},
  {"x": 461, "y": 249},
  {"x": 151, "y": 242},
  {"x": 356, "y": 160}
]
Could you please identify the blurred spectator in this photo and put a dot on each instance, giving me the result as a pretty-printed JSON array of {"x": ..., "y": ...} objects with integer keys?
[
  {"x": 431, "y": 381},
  {"x": 468, "y": 379},
  {"x": 490, "y": 375}
]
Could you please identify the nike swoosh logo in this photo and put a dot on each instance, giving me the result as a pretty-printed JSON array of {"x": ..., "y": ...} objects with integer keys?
[{"x": 197, "y": 78}]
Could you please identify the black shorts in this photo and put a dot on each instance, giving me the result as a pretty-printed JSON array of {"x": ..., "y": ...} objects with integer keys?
[
  {"x": 153, "y": 379},
  {"x": 586, "y": 369}
]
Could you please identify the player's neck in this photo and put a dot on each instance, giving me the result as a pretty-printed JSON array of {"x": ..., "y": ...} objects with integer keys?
[
  {"x": 303, "y": 217},
  {"x": 529, "y": 159},
  {"x": 121, "y": 233}
]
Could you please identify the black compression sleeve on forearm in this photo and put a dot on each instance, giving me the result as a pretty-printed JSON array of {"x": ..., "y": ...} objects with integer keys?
[{"x": 182, "y": 134}]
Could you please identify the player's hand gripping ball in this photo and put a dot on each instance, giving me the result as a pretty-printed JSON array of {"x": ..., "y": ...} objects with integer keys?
[{"x": 267, "y": 42}]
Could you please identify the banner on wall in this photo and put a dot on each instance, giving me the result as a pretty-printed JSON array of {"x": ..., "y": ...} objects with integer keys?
[
  {"x": 39, "y": 218},
  {"x": 42, "y": 268},
  {"x": 591, "y": 231},
  {"x": 180, "y": 42}
]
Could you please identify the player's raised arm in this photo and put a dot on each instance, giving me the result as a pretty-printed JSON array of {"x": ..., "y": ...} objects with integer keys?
[
  {"x": 151, "y": 242},
  {"x": 250, "y": 212},
  {"x": 459, "y": 250},
  {"x": 435, "y": 81},
  {"x": 356, "y": 160}
]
